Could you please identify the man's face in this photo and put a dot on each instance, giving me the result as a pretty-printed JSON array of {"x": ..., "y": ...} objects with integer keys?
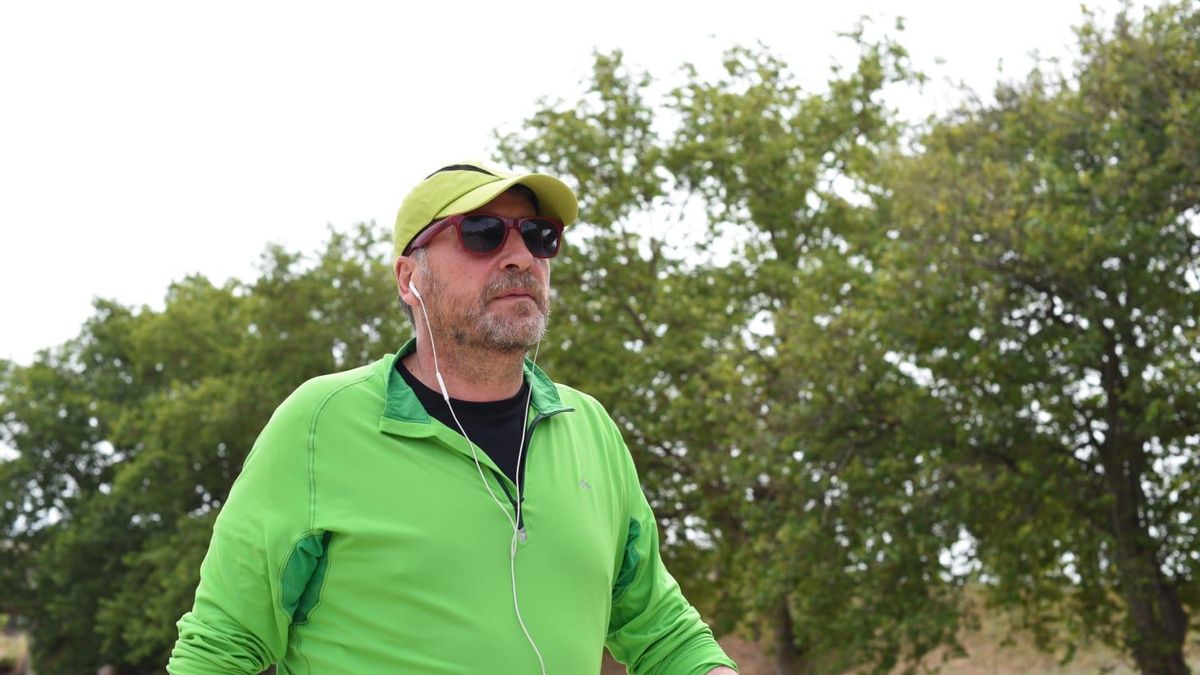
[{"x": 498, "y": 302}]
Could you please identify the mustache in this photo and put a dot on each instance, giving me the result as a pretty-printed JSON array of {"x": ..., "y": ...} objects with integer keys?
[{"x": 523, "y": 282}]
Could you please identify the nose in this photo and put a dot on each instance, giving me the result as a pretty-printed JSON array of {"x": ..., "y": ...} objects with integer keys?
[{"x": 514, "y": 254}]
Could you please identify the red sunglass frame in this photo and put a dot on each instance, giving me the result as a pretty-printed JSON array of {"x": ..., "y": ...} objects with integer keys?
[{"x": 510, "y": 224}]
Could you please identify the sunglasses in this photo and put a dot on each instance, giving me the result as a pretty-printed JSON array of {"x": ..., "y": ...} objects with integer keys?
[{"x": 484, "y": 233}]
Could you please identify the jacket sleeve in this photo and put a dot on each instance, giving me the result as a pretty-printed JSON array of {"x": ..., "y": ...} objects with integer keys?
[
  {"x": 262, "y": 557},
  {"x": 653, "y": 629}
]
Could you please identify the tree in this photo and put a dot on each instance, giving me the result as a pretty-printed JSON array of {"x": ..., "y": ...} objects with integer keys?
[
  {"x": 1044, "y": 272},
  {"x": 129, "y": 437},
  {"x": 973, "y": 355},
  {"x": 745, "y": 370}
]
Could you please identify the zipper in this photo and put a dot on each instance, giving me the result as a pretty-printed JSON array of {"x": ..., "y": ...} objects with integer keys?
[{"x": 521, "y": 473}]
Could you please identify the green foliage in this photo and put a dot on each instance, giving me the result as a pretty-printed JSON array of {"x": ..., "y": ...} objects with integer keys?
[
  {"x": 1052, "y": 243},
  {"x": 129, "y": 437},
  {"x": 879, "y": 371},
  {"x": 769, "y": 442}
]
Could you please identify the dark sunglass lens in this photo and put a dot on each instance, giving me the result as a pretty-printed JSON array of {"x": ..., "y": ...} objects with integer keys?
[
  {"x": 541, "y": 236},
  {"x": 482, "y": 234}
]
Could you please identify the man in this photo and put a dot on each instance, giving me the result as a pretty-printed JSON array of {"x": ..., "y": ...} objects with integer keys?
[{"x": 387, "y": 521}]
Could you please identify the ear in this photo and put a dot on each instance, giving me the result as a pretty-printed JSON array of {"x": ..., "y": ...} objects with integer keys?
[{"x": 405, "y": 271}]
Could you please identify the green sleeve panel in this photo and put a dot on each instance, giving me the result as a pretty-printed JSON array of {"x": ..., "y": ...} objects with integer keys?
[
  {"x": 264, "y": 554},
  {"x": 303, "y": 574},
  {"x": 629, "y": 561},
  {"x": 653, "y": 629}
]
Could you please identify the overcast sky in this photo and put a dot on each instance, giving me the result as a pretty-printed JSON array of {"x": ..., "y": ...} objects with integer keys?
[{"x": 144, "y": 141}]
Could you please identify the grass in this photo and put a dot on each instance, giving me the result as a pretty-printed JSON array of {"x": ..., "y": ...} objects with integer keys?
[
  {"x": 988, "y": 653},
  {"x": 12, "y": 650}
]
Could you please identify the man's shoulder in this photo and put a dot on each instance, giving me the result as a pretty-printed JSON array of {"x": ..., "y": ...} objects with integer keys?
[
  {"x": 319, "y": 392},
  {"x": 574, "y": 398},
  {"x": 337, "y": 396}
]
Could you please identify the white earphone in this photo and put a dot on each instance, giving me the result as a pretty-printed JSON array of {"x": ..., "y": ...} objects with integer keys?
[{"x": 517, "y": 531}]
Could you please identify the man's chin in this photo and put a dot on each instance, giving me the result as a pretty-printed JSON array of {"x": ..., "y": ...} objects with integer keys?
[
  {"x": 514, "y": 338},
  {"x": 514, "y": 314},
  {"x": 505, "y": 345}
]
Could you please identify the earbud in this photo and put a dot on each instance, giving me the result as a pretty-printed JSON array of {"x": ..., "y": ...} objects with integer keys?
[{"x": 413, "y": 287}]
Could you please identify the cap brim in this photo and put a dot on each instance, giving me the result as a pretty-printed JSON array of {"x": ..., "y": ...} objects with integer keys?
[{"x": 555, "y": 199}]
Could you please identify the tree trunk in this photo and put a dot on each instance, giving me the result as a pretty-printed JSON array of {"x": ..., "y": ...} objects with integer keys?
[
  {"x": 1159, "y": 630},
  {"x": 788, "y": 659},
  {"x": 1157, "y": 620}
]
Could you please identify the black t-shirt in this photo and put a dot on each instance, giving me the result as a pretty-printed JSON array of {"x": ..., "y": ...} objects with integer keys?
[{"x": 495, "y": 426}]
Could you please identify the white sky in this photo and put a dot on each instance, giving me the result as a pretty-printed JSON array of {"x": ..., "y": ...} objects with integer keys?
[{"x": 143, "y": 141}]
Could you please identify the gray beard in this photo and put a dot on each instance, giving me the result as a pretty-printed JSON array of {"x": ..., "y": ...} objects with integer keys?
[
  {"x": 498, "y": 334},
  {"x": 491, "y": 332}
]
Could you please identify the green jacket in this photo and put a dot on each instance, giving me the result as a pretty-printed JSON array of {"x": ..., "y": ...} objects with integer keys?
[{"x": 359, "y": 539}]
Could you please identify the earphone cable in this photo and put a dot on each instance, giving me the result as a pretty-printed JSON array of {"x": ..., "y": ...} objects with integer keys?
[{"x": 512, "y": 549}]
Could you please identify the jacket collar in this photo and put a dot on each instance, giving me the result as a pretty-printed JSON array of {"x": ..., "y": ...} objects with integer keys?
[{"x": 403, "y": 413}]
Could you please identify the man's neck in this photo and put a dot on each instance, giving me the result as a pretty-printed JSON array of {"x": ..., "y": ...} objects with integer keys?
[{"x": 470, "y": 374}]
